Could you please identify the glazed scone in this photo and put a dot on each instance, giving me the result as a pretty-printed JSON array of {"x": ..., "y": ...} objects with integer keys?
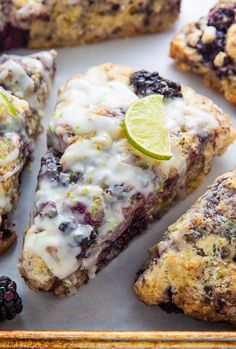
[
  {"x": 25, "y": 84},
  {"x": 95, "y": 191},
  {"x": 38, "y": 23},
  {"x": 208, "y": 47},
  {"x": 194, "y": 268}
]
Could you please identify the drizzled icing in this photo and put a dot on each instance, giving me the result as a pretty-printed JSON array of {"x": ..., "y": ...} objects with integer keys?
[
  {"x": 182, "y": 116},
  {"x": 11, "y": 143},
  {"x": 28, "y": 77},
  {"x": 87, "y": 130},
  {"x": 25, "y": 82}
]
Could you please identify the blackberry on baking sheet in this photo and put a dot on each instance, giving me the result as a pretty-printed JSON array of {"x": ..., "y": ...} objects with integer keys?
[
  {"x": 146, "y": 83},
  {"x": 10, "y": 302}
]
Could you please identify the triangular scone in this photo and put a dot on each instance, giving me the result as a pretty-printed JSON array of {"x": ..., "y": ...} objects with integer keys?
[
  {"x": 37, "y": 24},
  {"x": 208, "y": 47},
  {"x": 194, "y": 268},
  {"x": 25, "y": 83},
  {"x": 95, "y": 191}
]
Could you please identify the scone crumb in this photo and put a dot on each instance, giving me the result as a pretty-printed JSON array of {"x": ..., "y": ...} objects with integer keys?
[
  {"x": 209, "y": 34},
  {"x": 219, "y": 59}
]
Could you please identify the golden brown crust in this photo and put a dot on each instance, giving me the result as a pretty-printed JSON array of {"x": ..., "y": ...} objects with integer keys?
[
  {"x": 65, "y": 23},
  {"x": 157, "y": 24}
]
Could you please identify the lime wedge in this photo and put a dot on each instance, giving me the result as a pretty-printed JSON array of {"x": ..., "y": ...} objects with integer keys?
[
  {"x": 12, "y": 110},
  {"x": 146, "y": 127}
]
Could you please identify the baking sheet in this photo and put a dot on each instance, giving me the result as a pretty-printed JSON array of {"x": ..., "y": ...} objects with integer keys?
[{"x": 108, "y": 301}]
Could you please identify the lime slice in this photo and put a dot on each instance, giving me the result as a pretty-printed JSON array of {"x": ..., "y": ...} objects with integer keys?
[
  {"x": 146, "y": 127},
  {"x": 12, "y": 110}
]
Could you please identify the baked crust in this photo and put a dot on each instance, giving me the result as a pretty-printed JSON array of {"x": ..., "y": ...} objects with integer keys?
[
  {"x": 42, "y": 263},
  {"x": 193, "y": 268},
  {"x": 62, "y": 23},
  {"x": 207, "y": 47}
]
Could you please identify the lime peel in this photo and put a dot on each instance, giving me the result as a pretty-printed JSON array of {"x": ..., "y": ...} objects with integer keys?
[
  {"x": 146, "y": 129},
  {"x": 8, "y": 104}
]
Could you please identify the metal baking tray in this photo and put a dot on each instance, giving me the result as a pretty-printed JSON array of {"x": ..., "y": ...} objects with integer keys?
[{"x": 108, "y": 302}]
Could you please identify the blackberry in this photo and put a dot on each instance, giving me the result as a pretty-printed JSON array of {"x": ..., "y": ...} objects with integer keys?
[
  {"x": 80, "y": 207},
  {"x": 221, "y": 18},
  {"x": 209, "y": 51},
  {"x": 10, "y": 302},
  {"x": 6, "y": 233},
  {"x": 146, "y": 83},
  {"x": 12, "y": 37},
  {"x": 51, "y": 167},
  {"x": 85, "y": 243},
  {"x": 227, "y": 69}
]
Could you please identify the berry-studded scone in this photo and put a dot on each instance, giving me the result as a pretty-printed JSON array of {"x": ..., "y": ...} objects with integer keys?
[
  {"x": 96, "y": 192},
  {"x": 39, "y": 23},
  {"x": 193, "y": 269},
  {"x": 208, "y": 47},
  {"x": 25, "y": 83}
]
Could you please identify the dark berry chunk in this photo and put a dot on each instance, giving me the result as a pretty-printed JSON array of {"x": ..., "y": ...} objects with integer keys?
[
  {"x": 227, "y": 69},
  {"x": 49, "y": 210},
  {"x": 207, "y": 51},
  {"x": 12, "y": 37},
  {"x": 6, "y": 233},
  {"x": 93, "y": 235},
  {"x": 10, "y": 302},
  {"x": 67, "y": 227},
  {"x": 80, "y": 207},
  {"x": 69, "y": 178},
  {"x": 221, "y": 18},
  {"x": 146, "y": 83},
  {"x": 85, "y": 243},
  {"x": 74, "y": 177},
  {"x": 51, "y": 167}
]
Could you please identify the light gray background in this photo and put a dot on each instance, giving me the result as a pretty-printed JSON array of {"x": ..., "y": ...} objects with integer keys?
[{"x": 108, "y": 302}]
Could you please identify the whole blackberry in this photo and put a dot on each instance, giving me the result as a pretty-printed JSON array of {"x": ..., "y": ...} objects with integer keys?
[
  {"x": 10, "y": 302},
  {"x": 146, "y": 83}
]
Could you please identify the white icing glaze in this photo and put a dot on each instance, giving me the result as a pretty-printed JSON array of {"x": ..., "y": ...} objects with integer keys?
[
  {"x": 29, "y": 79},
  {"x": 91, "y": 98},
  {"x": 180, "y": 116},
  {"x": 87, "y": 106},
  {"x": 21, "y": 84}
]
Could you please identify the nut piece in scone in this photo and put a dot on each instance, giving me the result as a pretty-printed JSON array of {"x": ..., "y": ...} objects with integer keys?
[
  {"x": 194, "y": 268},
  {"x": 96, "y": 192},
  {"x": 40, "y": 24},
  {"x": 208, "y": 47}
]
